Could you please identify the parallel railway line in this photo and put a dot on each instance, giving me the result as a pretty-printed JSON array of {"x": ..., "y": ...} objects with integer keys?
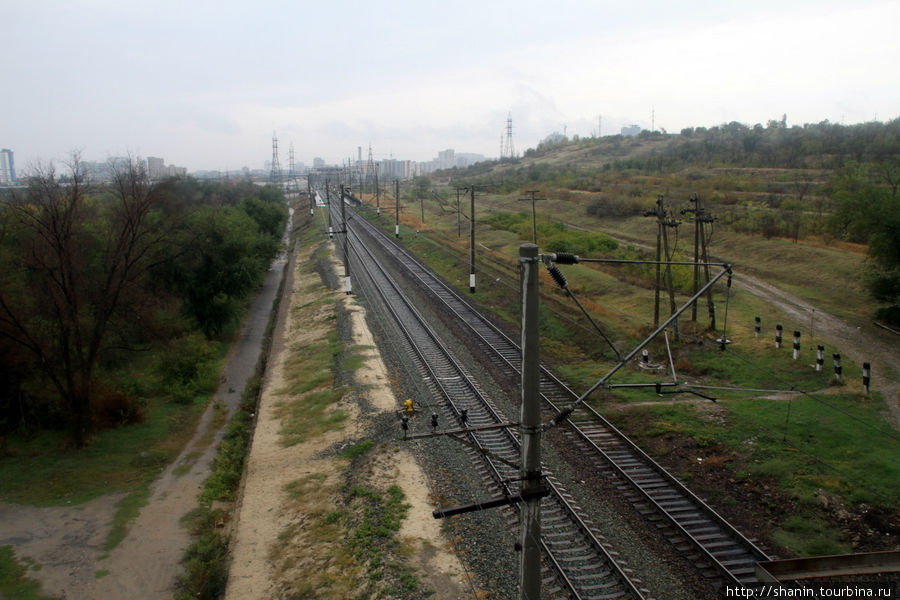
[
  {"x": 718, "y": 549},
  {"x": 577, "y": 562}
]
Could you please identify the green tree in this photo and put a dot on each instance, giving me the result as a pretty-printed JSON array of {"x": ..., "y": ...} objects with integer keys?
[
  {"x": 221, "y": 259},
  {"x": 870, "y": 214}
]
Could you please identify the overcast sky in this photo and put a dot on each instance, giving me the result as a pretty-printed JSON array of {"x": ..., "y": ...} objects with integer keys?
[{"x": 204, "y": 84}]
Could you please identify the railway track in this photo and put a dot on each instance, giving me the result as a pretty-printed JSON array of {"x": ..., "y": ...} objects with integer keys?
[
  {"x": 577, "y": 562},
  {"x": 694, "y": 528}
]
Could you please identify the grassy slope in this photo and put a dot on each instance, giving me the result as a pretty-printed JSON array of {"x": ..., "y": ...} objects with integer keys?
[{"x": 792, "y": 451}]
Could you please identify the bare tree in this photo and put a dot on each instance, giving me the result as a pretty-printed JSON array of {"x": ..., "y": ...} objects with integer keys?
[{"x": 70, "y": 266}]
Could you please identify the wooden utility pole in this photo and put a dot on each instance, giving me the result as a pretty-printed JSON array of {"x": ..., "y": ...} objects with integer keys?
[
  {"x": 670, "y": 285},
  {"x": 458, "y": 215},
  {"x": 530, "y": 429},
  {"x": 701, "y": 218},
  {"x": 659, "y": 214},
  {"x": 704, "y": 257},
  {"x": 662, "y": 244},
  {"x": 533, "y": 213}
]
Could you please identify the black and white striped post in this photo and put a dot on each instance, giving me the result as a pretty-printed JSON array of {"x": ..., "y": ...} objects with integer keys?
[
  {"x": 757, "y": 328},
  {"x": 867, "y": 376},
  {"x": 778, "y": 331},
  {"x": 820, "y": 357},
  {"x": 645, "y": 357},
  {"x": 796, "y": 345},
  {"x": 838, "y": 370}
]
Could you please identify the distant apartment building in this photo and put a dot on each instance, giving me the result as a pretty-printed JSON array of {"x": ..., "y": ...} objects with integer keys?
[
  {"x": 156, "y": 167},
  {"x": 318, "y": 163},
  {"x": 446, "y": 159},
  {"x": 391, "y": 168},
  {"x": 449, "y": 159},
  {"x": 631, "y": 130},
  {"x": 7, "y": 167}
]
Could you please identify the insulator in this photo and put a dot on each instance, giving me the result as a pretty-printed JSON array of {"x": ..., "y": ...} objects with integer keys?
[
  {"x": 566, "y": 258},
  {"x": 557, "y": 276}
]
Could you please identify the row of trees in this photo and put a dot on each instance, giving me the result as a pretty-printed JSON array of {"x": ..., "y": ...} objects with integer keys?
[
  {"x": 91, "y": 276},
  {"x": 868, "y": 212}
]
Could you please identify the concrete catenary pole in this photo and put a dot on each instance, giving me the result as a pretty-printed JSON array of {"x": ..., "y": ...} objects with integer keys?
[
  {"x": 328, "y": 210},
  {"x": 530, "y": 560},
  {"x": 472, "y": 240},
  {"x": 348, "y": 288},
  {"x": 397, "y": 198}
]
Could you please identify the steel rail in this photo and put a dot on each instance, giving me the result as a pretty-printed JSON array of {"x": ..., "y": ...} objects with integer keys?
[
  {"x": 562, "y": 504},
  {"x": 739, "y": 571}
]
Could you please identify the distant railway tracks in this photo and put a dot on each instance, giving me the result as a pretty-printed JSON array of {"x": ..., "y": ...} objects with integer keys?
[
  {"x": 577, "y": 563},
  {"x": 577, "y": 559}
]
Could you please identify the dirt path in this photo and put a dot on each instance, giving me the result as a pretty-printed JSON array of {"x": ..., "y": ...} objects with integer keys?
[
  {"x": 260, "y": 566},
  {"x": 67, "y": 542}
]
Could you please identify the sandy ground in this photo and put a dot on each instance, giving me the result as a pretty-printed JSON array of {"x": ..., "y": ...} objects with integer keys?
[{"x": 266, "y": 511}]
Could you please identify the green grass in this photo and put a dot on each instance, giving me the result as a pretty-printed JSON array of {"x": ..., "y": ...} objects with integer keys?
[
  {"x": 228, "y": 466},
  {"x": 40, "y": 471},
  {"x": 127, "y": 510},
  {"x": 810, "y": 536},
  {"x": 810, "y": 444},
  {"x": 14, "y": 582},
  {"x": 378, "y": 518},
  {"x": 358, "y": 449}
]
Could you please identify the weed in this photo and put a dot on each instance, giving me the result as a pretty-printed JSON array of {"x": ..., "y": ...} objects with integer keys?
[
  {"x": 13, "y": 580},
  {"x": 127, "y": 510},
  {"x": 358, "y": 449}
]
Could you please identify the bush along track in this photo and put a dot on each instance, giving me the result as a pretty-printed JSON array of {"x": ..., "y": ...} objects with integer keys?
[{"x": 206, "y": 558}]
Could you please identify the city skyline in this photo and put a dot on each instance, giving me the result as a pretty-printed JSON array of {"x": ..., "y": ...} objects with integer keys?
[{"x": 205, "y": 84}]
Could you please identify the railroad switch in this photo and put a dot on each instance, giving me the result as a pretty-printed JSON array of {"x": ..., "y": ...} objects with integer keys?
[
  {"x": 464, "y": 416},
  {"x": 408, "y": 405},
  {"x": 404, "y": 425},
  {"x": 434, "y": 422}
]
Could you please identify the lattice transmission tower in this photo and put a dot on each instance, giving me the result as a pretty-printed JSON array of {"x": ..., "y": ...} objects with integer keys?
[
  {"x": 292, "y": 185},
  {"x": 275, "y": 175},
  {"x": 370, "y": 171},
  {"x": 507, "y": 149}
]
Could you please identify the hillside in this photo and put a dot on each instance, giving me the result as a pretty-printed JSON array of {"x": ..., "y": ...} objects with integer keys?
[
  {"x": 807, "y": 229},
  {"x": 784, "y": 201}
]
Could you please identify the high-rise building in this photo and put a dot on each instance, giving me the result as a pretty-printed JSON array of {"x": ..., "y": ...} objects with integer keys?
[
  {"x": 156, "y": 167},
  {"x": 446, "y": 159},
  {"x": 7, "y": 166}
]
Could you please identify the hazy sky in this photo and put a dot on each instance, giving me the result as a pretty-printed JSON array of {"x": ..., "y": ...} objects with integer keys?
[{"x": 204, "y": 84}]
